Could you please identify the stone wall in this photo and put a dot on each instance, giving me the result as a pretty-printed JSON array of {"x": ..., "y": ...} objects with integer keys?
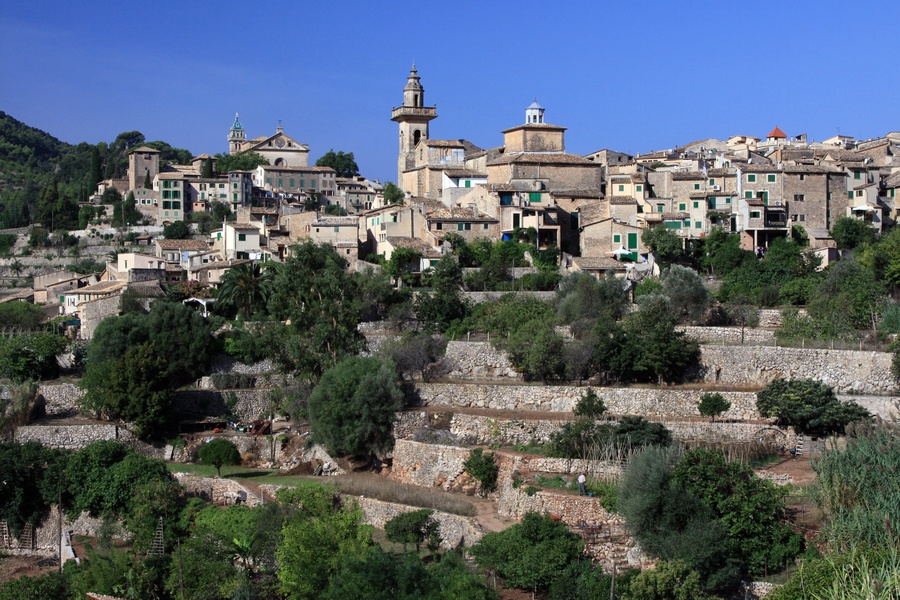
[
  {"x": 61, "y": 399},
  {"x": 252, "y": 403},
  {"x": 455, "y": 531},
  {"x": 95, "y": 311},
  {"x": 648, "y": 402},
  {"x": 847, "y": 371},
  {"x": 214, "y": 489},
  {"x": 730, "y": 335},
  {"x": 427, "y": 465},
  {"x": 479, "y": 297},
  {"x": 72, "y": 437},
  {"x": 476, "y": 360}
]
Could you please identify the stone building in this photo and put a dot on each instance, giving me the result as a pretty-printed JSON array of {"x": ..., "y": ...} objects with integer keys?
[
  {"x": 143, "y": 162},
  {"x": 279, "y": 149}
]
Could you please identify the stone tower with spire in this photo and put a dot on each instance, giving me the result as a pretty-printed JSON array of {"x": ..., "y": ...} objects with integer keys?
[
  {"x": 236, "y": 136},
  {"x": 413, "y": 117}
]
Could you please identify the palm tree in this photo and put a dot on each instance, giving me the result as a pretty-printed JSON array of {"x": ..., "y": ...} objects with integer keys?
[
  {"x": 246, "y": 286},
  {"x": 16, "y": 266}
]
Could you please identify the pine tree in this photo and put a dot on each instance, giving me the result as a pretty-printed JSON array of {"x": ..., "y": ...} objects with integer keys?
[
  {"x": 207, "y": 169},
  {"x": 147, "y": 183},
  {"x": 96, "y": 172}
]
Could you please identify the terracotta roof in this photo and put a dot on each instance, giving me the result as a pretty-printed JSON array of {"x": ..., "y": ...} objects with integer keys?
[
  {"x": 688, "y": 175},
  {"x": 444, "y": 143},
  {"x": 777, "y": 133},
  {"x": 622, "y": 200},
  {"x": 104, "y": 287},
  {"x": 183, "y": 244},
  {"x": 597, "y": 263},
  {"x": 144, "y": 149},
  {"x": 719, "y": 172},
  {"x": 544, "y": 159},
  {"x": 755, "y": 201},
  {"x": 593, "y": 193},
  {"x": 672, "y": 216},
  {"x": 413, "y": 244},
  {"x": 463, "y": 173}
]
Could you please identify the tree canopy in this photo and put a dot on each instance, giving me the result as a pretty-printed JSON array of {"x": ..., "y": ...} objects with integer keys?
[
  {"x": 809, "y": 406},
  {"x": 343, "y": 163}
]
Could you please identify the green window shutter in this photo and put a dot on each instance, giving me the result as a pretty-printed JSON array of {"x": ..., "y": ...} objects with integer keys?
[
  {"x": 856, "y": 174},
  {"x": 712, "y": 182},
  {"x": 687, "y": 223},
  {"x": 459, "y": 226},
  {"x": 850, "y": 195},
  {"x": 468, "y": 183},
  {"x": 771, "y": 178},
  {"x": 659, "y": 208},
  {"x": 751, "y": 178},
  {"x": 696, "y": 205},
  {"x": 682, "y": 207},
  {"x": 748, "y": 194},
  {"x": 632, "y": 241},
  {"x": 727, "y": 200},
  {"x": 534, "y": 196},
  {"x": 337, "y": 229},
  {"x": 242, "y": 237},
  {"x": 696, "y": 186},
  {"x": 617, "y": 239},
  {"x": 698, "y": 225},
  {"x": 292, "y": 183},
  {"x": 621, "y": 188}
]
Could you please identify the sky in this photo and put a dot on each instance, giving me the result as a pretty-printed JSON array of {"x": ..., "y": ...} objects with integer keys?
[{"x": 630, "y": 76}]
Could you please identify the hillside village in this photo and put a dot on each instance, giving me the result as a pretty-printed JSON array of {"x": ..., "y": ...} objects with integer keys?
[{"x": 525, "y": 341}]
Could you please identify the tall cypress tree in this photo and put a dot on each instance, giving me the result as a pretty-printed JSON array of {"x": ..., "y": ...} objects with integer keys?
[
  {"x": 147, "y": 183},
  {"x": 207, "y": 169}
]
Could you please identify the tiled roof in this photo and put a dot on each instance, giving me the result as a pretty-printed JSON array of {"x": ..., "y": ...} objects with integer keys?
[
  {"x": 104, "y": 287},
  {"x": 688, "y": 175},
  {"x": 546, "y": 126},
  {"x": 622, "y": 200},
  {"x": 542, "y": 159},
  {"x": 777, "y": 133},
  {"x": 597, "y": 262},
  {"x": 592, "y": 193},
  {"x": 337, "y": 222},
  {"x": 145, "y": 149},
  {"x": 671, "y": 216},
  {"x": 463, "y": 173},
  {"x": 444, "y": 143},
  {"x": 413, "y": 244},
  {"x": 183, "y": 244}
]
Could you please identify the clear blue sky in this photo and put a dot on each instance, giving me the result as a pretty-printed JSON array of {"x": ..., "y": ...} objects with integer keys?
[{"x": 631, "y": 76}]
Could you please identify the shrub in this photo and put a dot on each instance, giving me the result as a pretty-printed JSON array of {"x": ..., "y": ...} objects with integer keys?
[
  {"x": 809, "y": 406},
  {"x": 483, "y": 468},
  {"x": 220, "y": 452},
  {"x": 712, "y": 405},
  {"x": 414, "y": 528}
]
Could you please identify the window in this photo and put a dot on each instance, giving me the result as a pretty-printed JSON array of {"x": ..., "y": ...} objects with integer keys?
[
  {"x": 687, "y": 223},
  {"x": 712, "y": 182},
  {"x": 459, "y": 226},
  {"x": 727, "y": 200},
  {"x": 639, "y": 188},
  {"x": 802, "y": 217},
  {"x": 292, "y": 183},
  {"x": 857, "y": 174},
  {"x": 754, "y": 214},
  {"x": 485, "y": 226},
  {"x": 751, "y": 178},
  {"x": 850, "y": 195},
  {"x": 659, "y": 208},
  {"x": 617, "y": 239},
  {"x": 712, "y": 202},
  {"x": 696, "y": 205},
  {"x": 534, "y": 197},
  {"x": 748, "y": 194},
  {"x": 621, "y": 188},
  {"x": 798, "y": 198},
  {"x": 242, "y": 237},
  {"x": 696, "y": 186},
  {"x": 337, "y": 229},
  {"x": 234, "y": 185},
  {"x": 802, "y": 176},
  {"x": 698, "y": 225},
  {"x": 468, "y": 183},
  {"x": 682, "y": 207},
  {"x": 439, "y": 226},
  {"x": 770, "y": 178}
]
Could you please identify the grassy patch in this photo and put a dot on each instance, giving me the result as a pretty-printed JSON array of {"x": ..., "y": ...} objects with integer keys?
[
  {"x": 210, "y": 471},
  {"x": 387, "y": 490},
  {"x": 605, "y": 492}
]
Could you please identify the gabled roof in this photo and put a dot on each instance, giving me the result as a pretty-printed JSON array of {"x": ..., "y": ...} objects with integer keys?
[
  {"x": 777, "y": 134},
  {"x": 182, "y": 244},
  {"x": 145, "y": 149}
]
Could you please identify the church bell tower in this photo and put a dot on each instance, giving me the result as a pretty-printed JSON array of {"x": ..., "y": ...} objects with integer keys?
[
  {"x": 413, "y": 117},
  {"x": 236, "y": 136}
]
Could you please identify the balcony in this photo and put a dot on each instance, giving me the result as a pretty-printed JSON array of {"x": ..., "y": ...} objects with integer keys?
[{"x": 423, "y": 112}]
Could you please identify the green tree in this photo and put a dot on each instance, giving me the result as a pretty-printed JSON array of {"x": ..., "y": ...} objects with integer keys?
[
  {"x": 96, "y": 170},
  {"x": 413, "y": 352},
  {"x": 352, "y": 410},
  {"x": 218, "y": 453},
  {"x": 246, "y": 286},
  {"x": 414, "y": 528},
  {"x": 531, "y": 554},
  {"x": 207, "y": 172},
  {"x": 134, "y": 387},
  {"x": 155, "y": 500},
  {"x": 316, "y": 539},
  {"x": 667, "y": 581},
  {"x": 314, "y": 291},
  {"x": 582, "y": 298},
  {"x": 686, "y": 291},
  {"x": 29, "y": 473},
  {"x": 850, "y": 233},
  {"x": 483, "y": 468},
  {"x": 665, "y": 244},
  {"x": 809, "y": 406},
  {"x": 148, "y": 183},
  {"x": 712, "y": 405},
  {"x": 590, "y": 406},
  {"x": 21, "y": 314},
  {"x": 31, "y": 357},
  {"x": 750, "y": 508},
  {"x": 740, "y": 311},
  {"x": 102, "y": 477},
  {"x": 178, "y": 230},
  {"x": 335, "y": 210},
  {"x": 444, "y": 305},
  {"x": 343, "y": 163},
  {"x": 393, "y": 194},
  {"x": 49, "y": 586},
  {"x": 245, "y": 161},
  {"x": 402, "y": 266},
  {"x": 658, "y": 352}
]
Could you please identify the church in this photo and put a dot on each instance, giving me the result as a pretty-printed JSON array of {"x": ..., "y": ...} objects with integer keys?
[{"x": 279, "y": 149}]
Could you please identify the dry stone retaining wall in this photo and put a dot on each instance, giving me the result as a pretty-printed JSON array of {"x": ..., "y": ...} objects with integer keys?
[
  {"x": 455, "y": 531},
  {"x": 427, "y": 465},
  {"x": 730, "y": 335},
  {"x": 847, "y": 371},
  {"x": 72, "y": 437},
  {"x": 649, "y": 402},
  {"x": 476, "y": 360}
]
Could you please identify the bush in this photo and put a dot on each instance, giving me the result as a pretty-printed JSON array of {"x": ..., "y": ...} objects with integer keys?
[
  {"x": 414, "y": 528},
  {"x": 809, "y": 406},
  {"x": 26, "y": 357},
  {"x": 219, "y": 452},
  {"x": 483, "y": 468},
  {"x": 712, "y": 405}
]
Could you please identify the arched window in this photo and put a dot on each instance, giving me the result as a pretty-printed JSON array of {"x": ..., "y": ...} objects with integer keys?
[
  {"x": 279, "y": 162},
  {"x": 417, "y": 135}
]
